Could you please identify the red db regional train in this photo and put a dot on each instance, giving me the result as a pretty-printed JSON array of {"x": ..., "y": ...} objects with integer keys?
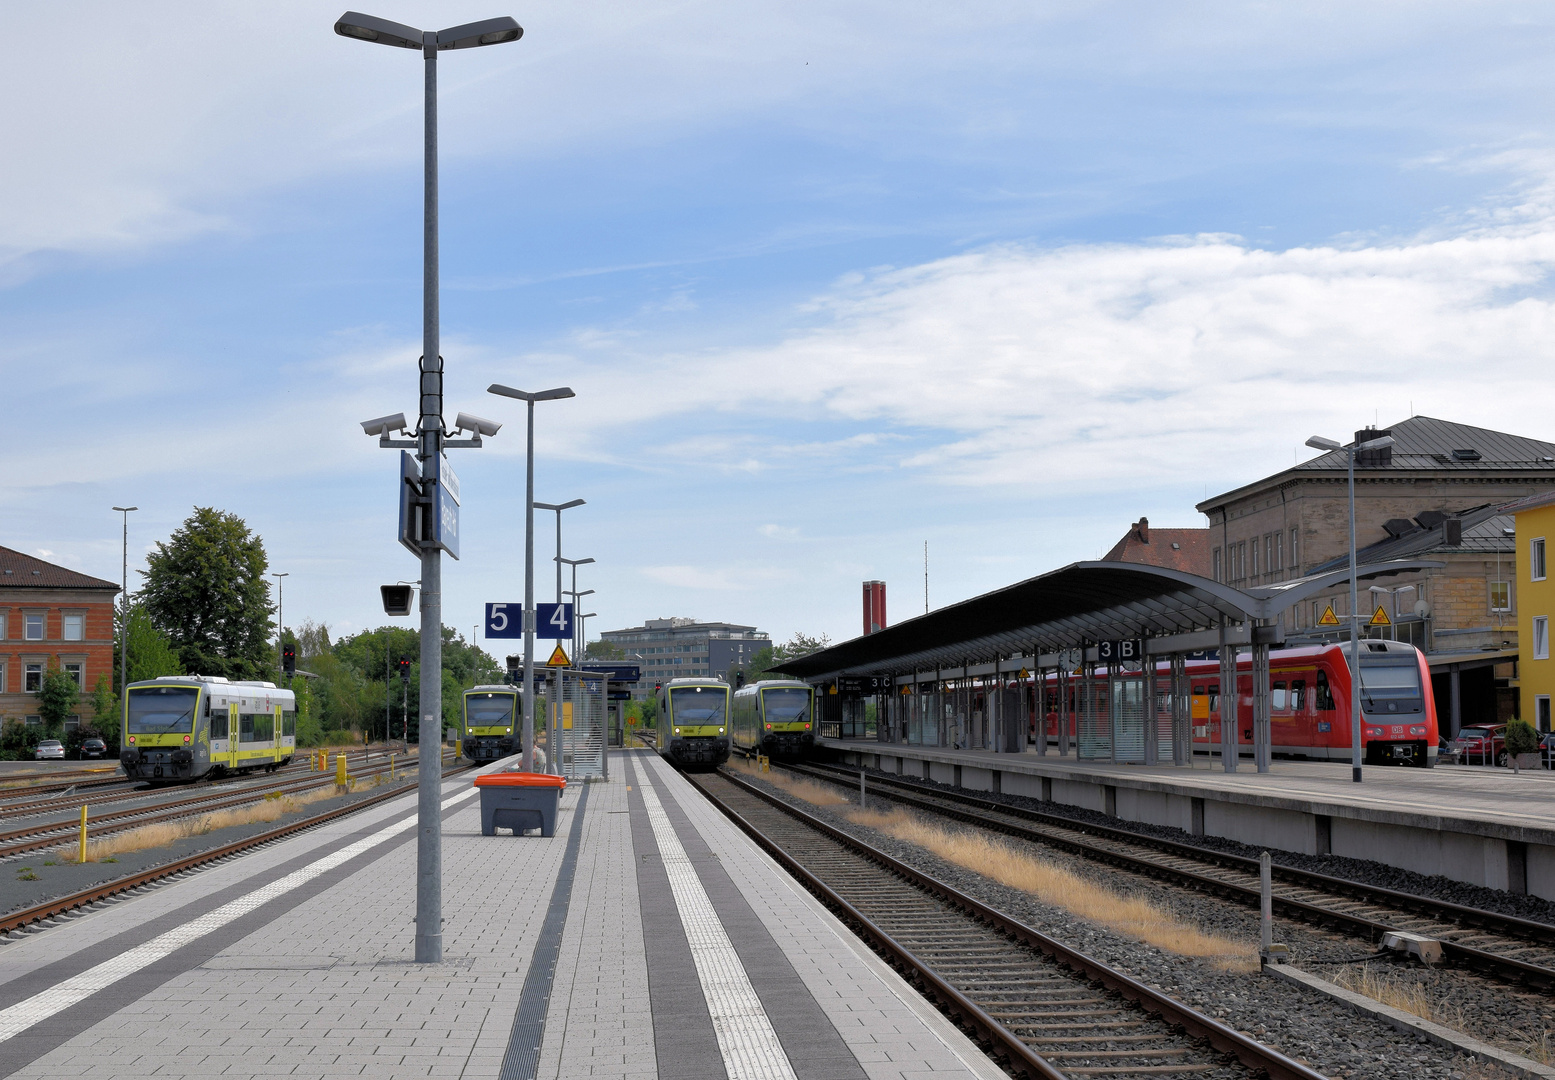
[{"x": 1309, "y": 703}]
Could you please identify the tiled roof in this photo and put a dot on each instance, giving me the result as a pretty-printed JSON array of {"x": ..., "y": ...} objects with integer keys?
[
  {"x": 1485, "y": 529},
  {"x": 1532, "y": 502},
  {"x": 1426, "y": 444},
  {"x": 1175, "y": 549},
  {"x": 23, "y": 571}
]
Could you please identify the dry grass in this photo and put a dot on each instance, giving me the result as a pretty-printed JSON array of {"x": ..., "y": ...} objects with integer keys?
[
  {"x": 162, "y": 834},
  {"x": 812, "y": 793},
  {"x": 1130, "y": 914},
  {"x": 1396, "y": 992}
]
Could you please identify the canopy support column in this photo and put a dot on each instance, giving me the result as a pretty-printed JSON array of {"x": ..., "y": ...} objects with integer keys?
[
  {"x": 1182, "y": 712},
  {"x": 1152, "y": 708},
  {"x": 1262, "y": 733},
  {"x": 1229, "y": 720}
]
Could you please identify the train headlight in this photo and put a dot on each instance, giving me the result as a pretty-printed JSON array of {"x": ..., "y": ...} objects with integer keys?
[
  {"x": 1374, "y": 732},
  {"x": 1418, "y": 729},
  {"x": 720, "y": 731},
  {"x": 677, "y": 731},
  {"x": 807, "y": 727},
  {"x": 132, "y": 740},
  {"x": 186, "y": 740},
  {"x": 769, "y": 727}
]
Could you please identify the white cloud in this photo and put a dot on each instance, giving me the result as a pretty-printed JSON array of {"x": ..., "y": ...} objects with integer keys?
[{"x": 1056, "y": 369}]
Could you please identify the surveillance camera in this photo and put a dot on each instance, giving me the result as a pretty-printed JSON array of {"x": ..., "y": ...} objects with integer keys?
[
  {"x": 467, "y": 422},
  {"x": 385, "y": 424}
]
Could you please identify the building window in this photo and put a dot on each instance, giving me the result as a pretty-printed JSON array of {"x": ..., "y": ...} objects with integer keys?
[
  {"x": 1536, "y": 559},
  {"x": 1541, "y": 637},
  {"x": 35, "y": 721},
  {"x": 1295, "y": 554},
  {"x": 1278, "y": 559},
  {"x": 75, "y": 672},
  {"x": 33, "y": 625},
  {"x": 32, "y": 678},
  {"x": 2, "y": 678},
  {"x": 75, "y": 627},
  {"x": 1214, "y": 571},
  {"x": 73, "y": 722},
  {"x": 1541, "y": 712},
  {"x": 1500, "y": 596},
  {"x": 1253, "y": 567},
  {"x": 4, "y": 633}
]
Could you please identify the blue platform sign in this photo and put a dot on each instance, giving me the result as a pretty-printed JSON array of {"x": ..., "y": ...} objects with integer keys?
[
  {"x": 553, "y": 621},
  {"x": 445, "y": 507},
  {"x": 504, "y": 620}
]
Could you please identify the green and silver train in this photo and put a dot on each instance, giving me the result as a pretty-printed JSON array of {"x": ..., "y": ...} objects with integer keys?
[
  {"x": 693, "y": 722},
  {"x": 188, "y": 727},
  {"x": 491, "y": 723},
  {"x": 775, "y": 717}
]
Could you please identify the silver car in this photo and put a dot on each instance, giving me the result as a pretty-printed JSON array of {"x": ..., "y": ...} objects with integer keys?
[{"x": 49, "y": 748}]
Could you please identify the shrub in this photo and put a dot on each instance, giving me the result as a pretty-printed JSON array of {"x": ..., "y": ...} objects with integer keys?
[{"x": 1521, "y": 738}]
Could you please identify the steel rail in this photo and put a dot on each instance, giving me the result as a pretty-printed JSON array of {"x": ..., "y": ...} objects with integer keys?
[
  {"x": 58, "y": 906},
  {"x": 1505, "y": 967},
  {"x": 1249, "y": 1052},
  {"x": 53, "y": 834}
]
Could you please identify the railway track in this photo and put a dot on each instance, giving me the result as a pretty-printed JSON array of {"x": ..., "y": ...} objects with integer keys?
[
  {"x": 43, "y": 835},
  {"x": 38, "y": 915},
  {"x": 1045, "y": 1010},
  {"x": 31, "y": 804},
  {"x": 1517, "y": 950}
]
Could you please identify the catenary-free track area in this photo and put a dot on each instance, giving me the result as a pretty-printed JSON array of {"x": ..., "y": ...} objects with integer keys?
[{"x": 649, "y": 937}]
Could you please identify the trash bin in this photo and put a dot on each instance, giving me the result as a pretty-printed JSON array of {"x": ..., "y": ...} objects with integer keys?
[{"x": 519, "y": 801}]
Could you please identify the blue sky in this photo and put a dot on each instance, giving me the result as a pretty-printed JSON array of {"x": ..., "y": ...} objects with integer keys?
[{"x": 830, "y": 279}]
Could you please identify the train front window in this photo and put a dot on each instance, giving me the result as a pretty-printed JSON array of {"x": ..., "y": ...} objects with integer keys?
[
  {"x": 1395, "y": 687},
  {"x": 786, "y": 706},
  {"x": 162, "y": 710},
  {"x": 491, "y": 710},
  {"x": 700, "y": 705}
]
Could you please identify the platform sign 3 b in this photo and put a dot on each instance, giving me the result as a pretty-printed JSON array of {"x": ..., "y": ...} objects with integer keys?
[
  {"x": 505, "y": 620},
  {"x": 1125, "y": 650}
]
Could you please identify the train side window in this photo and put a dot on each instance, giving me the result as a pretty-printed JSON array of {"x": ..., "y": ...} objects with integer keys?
[
  {"x": 219, "y": 726},
  {"x": 1298, "y": 695},
  {"x": 264, "y": 727},
  {"x": 1325, "y": 693},
  {"x": 1214, "y": 697},
  {"x": 1277, "y": 697},
  {"x": 288, "y": 723},
  {"x": 245, "y": 728}
]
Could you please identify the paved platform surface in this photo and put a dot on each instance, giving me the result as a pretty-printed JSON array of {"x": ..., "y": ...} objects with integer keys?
[
  {"x": 1467, "y": 798},
  {"x": 648, "y": 938}
]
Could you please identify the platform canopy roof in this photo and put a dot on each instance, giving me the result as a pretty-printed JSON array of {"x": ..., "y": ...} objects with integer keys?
[{"x": 1079, "y": 604}]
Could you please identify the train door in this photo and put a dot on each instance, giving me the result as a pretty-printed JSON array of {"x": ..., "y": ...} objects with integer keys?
[
  {"x": 1206, "y": 710},
  {"x": 1331, "y": 734},
  {"x": 280, "y": 729},
  {"x": 1290, "y": 723}
]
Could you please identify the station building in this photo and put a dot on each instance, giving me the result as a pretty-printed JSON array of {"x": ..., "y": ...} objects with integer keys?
[
  {"x": 50, "y": 616},
  {"x": 1439, "y": 494},
  {"x": 683, "y": 648}
]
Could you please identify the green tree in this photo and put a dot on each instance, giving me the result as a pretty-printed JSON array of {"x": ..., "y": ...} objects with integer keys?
[
  {"x": 1521, "y": 738},
  {"x": 767, "y": 663},
  {"x": 19, "y": 739},
  {"x": 105, "y": 705},
  {"x": 603, "y": 650},
  {"x": 206, "y": 590},
  {"x": 56, "y": 700},
  {"x": 151, "y": 654}
]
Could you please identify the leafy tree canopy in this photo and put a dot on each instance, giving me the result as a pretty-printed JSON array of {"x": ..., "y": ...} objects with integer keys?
[
  {"x": 767, "y": 663},
  {"x": 206, "y": 590},
  {"x": 151, "y": 654},
  {"x": 57, "y": 699}
]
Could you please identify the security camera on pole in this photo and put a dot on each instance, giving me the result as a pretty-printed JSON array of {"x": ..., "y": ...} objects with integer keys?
[{"x": 429, "y": 493}]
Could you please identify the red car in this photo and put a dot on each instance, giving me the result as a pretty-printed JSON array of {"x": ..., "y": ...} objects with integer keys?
[{"x": 1484, "y": 744}]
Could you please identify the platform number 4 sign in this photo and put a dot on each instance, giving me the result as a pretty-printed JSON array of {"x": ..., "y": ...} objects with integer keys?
[{"x": 553, "y": 621}]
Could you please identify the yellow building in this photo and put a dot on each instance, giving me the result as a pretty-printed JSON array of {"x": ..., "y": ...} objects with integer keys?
[{"x": 1535, "y": 522}]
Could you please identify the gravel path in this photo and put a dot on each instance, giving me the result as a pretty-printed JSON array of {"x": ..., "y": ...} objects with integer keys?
[{"x": 1300, "y": 1023}]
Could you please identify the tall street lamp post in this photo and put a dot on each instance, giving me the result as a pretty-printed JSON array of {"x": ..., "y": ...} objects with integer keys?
[
  {"x": 280, "y": 619},
  {"x": 124, "y": 618},
  {"x": 429, "y": 444},
  {"x": 553, "y": 722},
  {"x": 1317, "y": 442},
  {"x": 529, "y": 557},
  {"x": 578, "y": 640}
]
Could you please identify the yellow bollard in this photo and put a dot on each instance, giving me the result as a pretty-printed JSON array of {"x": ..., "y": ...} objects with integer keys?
[
  {"x": 83, "y": 834},
  {"x": 391, "y": 767},
  {"x": 340, "y": 770}
]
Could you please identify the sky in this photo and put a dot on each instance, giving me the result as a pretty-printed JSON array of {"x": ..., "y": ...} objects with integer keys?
[{"x": 832, "y": 281}]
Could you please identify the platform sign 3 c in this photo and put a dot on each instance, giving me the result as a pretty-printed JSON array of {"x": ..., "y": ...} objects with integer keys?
[{"x": 505, "y": 620}]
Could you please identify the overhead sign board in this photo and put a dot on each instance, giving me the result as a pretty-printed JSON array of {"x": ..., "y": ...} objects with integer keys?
[
  {"x": 445, "y": 508},
  {"x": 862, "y": 684},
  {"x": 505, "y": 620},
  {"x": 1124, "y": 651},
  {"x": 410, "y": 503},
  {"x": 553, "y": 621}
]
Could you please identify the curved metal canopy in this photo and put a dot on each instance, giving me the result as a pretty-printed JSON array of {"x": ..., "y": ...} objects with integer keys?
[{"x": 1077, "y": 604}]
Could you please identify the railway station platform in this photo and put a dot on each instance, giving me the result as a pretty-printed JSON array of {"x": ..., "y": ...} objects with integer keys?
[
  {"x": 1484, "y": 826},
  {"x": 648, "y": 939}
]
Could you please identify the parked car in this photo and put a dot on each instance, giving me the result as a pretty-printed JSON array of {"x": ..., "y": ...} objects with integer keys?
[
  {"x": 93, "y": 748},
  {"x": 49, "y": 748},
  {"x": 1483, "y": 744},
  {"x": 1547, "y": 749}
]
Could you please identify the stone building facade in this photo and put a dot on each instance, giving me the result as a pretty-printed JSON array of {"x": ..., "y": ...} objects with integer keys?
[{"x": 679, "y": 648}]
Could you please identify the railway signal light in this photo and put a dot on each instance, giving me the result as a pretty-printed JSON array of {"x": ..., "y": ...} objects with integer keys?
[
  {"x": 404, "y": 669},
  {"x": 289, "y": 658}
]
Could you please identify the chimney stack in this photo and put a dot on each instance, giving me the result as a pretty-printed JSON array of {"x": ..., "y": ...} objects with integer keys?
[
  {"x": 874, "y": 606},
  {"x": 1373, "y": 459},
  {"x": 1142, "y": 529}
]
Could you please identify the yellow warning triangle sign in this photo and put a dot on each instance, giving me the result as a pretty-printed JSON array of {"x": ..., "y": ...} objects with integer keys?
[
  {"x": 558, "y": 658},
  {"x": 1024, "y": 674},
  {"x": 1380, "y": 617},
  {"x": 1329, "y": 618}
]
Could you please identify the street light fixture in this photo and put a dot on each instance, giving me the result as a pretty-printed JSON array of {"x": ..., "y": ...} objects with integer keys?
[
  {"x": 1317, "y": 442},
  {"x": 429, "y": 442},
  {"x": 578, "y": 640},
  {"x": 124, "y": 619},
  {"x": 529, "y": 399}
]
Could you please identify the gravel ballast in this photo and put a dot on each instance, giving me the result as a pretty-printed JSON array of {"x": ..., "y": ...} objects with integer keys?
[{"x": 1297, "y": 1021}]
